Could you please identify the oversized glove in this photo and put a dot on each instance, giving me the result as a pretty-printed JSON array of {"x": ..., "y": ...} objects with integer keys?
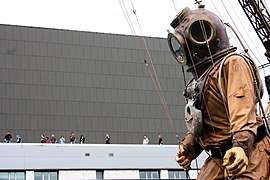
[
  {"x": 183, "y": 157},
  {"x": 235, "y": 162}
]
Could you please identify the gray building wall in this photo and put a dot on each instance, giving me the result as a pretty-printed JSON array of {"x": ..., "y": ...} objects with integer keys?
[{"x": 58, "y": 81}]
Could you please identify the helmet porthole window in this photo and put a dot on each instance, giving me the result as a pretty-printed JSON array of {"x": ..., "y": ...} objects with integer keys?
[
  {"x": 177, "y": 47},
  {"x": 201, "y": 32}
]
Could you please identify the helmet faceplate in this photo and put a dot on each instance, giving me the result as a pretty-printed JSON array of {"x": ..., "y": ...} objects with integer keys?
[{"x": 199, "y": 35}]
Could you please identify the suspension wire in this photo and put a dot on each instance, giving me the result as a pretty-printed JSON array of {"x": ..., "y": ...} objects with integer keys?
[
  {"x": 133, "y": 8},
  {"x": 238, "y": 45},
  {"x": 266, "y": 5},
  {"x": 124, "y": 10},
  {"x": 159, "y": 91},
  {"x": 245, "y": 29},
  {"x": 149, "y": 65},
  {"x": 237, "y": 28},
  {"x": 128, "y": 16},
  {"x": 151, "y": 69},
  {"x": 184, "y": 75},
  {"x": 174, "y": 6},
  {"x": 205, "y": 38},
  {"x": 237, "y": 36}
]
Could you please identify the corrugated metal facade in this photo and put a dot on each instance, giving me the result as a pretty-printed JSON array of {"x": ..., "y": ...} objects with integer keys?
[{"x": 58, "y": 81}]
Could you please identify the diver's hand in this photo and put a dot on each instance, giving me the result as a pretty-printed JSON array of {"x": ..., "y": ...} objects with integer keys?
[
  {"x": 183, "y": 158},
  {"x": 235, "y": 162}
]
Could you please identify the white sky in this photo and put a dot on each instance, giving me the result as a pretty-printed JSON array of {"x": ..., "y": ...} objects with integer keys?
[{"x": 154, "y": 17}]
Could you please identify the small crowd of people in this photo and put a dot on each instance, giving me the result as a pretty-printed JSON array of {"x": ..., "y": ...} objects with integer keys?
[
  {"x": 8, "y": 138},
  {"x": 72, "y": 139},
  {"x": 52, "y": 140},
  {"x": 62, "y": 140}
]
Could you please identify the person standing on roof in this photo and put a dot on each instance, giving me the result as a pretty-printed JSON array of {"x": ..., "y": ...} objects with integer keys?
[
  {"x": 160, "y": 140},
  {"x": 8, "y": 137},
  {"x": 19, "y": 139},
  {"x": 107, "y": 139},
  {"x": 72, "y": 138},
  {"x": 145, "y": 140}
]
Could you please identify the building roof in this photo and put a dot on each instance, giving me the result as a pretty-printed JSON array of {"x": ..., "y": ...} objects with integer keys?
[{"x": 32, "y": 156}]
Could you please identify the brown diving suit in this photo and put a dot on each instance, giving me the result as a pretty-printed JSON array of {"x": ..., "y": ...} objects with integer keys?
[{"x": 232, "y": 121}]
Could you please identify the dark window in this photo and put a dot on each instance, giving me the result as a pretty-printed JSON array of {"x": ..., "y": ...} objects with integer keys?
[
  {"x": 177, "y": 175},
  {"x": 99, "y": 174},
  {"x": 149, "y": 174},
  {"x": 12, "y": 175},
  {"x": 46, "y": 175}
]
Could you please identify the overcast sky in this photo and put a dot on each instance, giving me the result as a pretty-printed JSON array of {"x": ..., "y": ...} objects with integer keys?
[{"x": 153, "y": 17}]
